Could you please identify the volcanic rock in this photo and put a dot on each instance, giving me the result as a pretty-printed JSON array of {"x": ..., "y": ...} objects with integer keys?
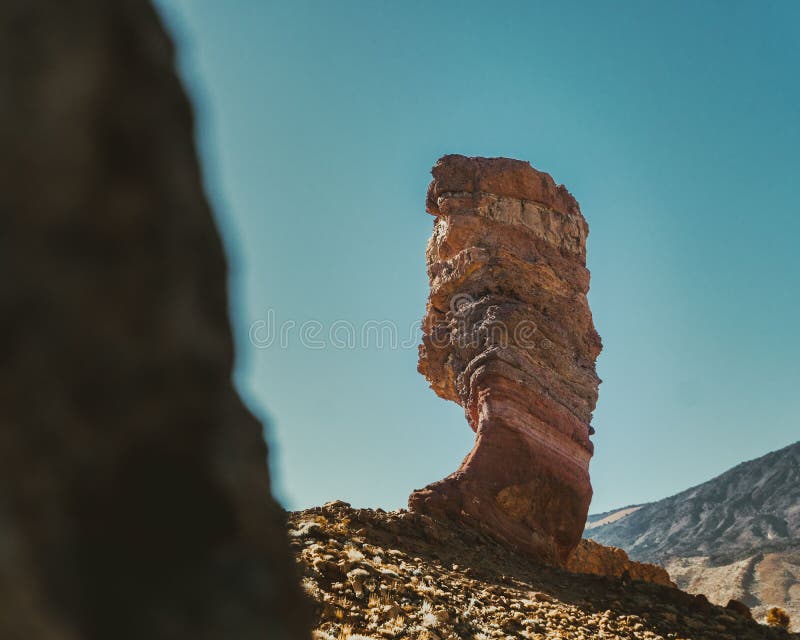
[
  {"x": 508, "y": 335},
  {"x": 134, "y": 493},
  {"x": 597, "y": 559},
  {"x": 464, "y": 584}
]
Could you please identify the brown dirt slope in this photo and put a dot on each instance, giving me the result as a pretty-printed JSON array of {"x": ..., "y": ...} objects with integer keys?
[{"x": 373, "y": 574}]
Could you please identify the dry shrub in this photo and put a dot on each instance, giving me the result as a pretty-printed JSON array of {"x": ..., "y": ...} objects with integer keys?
[{"x": 777, "y": 617}]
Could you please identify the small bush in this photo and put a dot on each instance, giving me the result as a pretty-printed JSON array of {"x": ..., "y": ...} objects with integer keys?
[{"x": 777, "y": 617}]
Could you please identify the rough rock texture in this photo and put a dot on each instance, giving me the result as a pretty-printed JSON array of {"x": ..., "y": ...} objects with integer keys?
[
  {"x": 735, "y": 536},
  {"x": 377, "y": 575},
  {"x": 134, "y": 494},
  {"x": 508, "y": 335},
  {"x": 597, "y": 559}
]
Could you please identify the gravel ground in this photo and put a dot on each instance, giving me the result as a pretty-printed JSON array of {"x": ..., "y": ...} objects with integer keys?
[{"x": 377, "y": 574}]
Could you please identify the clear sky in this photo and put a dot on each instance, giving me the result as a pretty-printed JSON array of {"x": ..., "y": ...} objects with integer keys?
[{"x": 676, "y": 125}]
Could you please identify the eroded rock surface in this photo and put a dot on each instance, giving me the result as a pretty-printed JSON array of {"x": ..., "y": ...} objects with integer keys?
[
  {"x": 134, "y": 494},
  {"x": 508, "y": 335},
  {"x": 599, "y": 560}
]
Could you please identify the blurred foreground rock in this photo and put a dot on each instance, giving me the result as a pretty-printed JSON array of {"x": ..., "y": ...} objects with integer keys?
[{"x": 134, "y": 494}]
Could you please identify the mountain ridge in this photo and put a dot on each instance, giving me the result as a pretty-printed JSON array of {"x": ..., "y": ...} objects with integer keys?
[{"x": 736, "y": 535}]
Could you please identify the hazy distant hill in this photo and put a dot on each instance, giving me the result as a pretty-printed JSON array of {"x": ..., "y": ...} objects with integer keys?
[{"x": 735, "y": 536}]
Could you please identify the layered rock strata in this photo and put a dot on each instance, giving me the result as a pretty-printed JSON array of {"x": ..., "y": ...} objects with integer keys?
[
  {"x": 508, "y": 335},
  {"x": 134, "y": 491}
]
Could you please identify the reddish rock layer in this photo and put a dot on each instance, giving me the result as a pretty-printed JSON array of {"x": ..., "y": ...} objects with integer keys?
[{"x": 508, "y": 335}]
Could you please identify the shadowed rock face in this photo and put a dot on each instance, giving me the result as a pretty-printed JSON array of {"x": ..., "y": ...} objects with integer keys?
[
  {"x": 509, "y": 336},
  {"x": 134, "y": 494}
]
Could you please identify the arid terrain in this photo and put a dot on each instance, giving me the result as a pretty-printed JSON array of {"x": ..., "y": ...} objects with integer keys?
[
  {"x": 373, "y": 574},
  {"x": 494, "y": 550},
  {"x": 735, "y": 536}
]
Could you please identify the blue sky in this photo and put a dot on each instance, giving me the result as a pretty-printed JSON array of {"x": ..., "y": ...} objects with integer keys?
[{"x": 676, "y": 126}]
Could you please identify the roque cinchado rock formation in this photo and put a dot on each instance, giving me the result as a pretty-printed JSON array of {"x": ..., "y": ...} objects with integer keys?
[
  {"x": 509, "y": 336},
  {"x": 134, "y": 492}
]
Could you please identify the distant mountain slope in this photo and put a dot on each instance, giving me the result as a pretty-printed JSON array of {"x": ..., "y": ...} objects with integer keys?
[
  {"x": 737, "y": 535},
  {"x": 752, "y": 506},
  {"x": 608, "y": 517}
]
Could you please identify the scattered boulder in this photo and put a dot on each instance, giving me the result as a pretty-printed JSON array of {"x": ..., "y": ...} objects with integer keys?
[
  {"x": 739, "y": 607},
  {"x": 464, "y": 588},
  {"x": 597, "y": 559}
]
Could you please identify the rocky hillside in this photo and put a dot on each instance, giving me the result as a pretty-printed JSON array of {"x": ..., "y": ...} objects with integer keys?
[
  {"x": 736, "y": 536},
  {"x": 374, "y": 575}
]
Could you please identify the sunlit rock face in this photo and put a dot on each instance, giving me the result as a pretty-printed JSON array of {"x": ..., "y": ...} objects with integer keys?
[
  {"x": 508, "y": 335},
  {"x": 134, "y": 491},
  {"x": 594, "y": 558}
]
